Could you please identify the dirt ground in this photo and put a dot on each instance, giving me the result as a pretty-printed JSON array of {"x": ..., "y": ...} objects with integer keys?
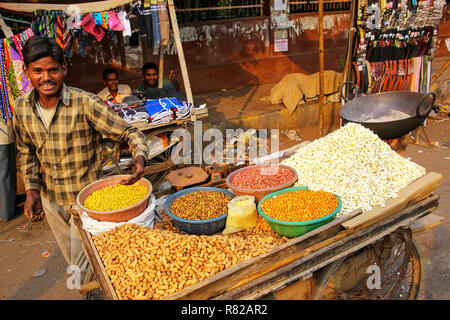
[{"x": 28, "y": 272}]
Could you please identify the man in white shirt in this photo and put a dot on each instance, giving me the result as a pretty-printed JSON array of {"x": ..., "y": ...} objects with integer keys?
[{"x": 113, "y": 91}]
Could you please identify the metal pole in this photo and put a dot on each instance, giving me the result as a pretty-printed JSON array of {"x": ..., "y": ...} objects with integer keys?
[
  {"x": 177, "y": 38},
  {"x": 161, "y": 66},
  {"x": 321, "y": 68}
]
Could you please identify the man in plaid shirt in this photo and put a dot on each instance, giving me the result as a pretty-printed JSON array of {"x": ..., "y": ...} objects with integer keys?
[{"x": 58, "y": 132}]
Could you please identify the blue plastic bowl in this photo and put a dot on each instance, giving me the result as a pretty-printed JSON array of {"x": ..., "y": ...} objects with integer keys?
[
  {"x": 209, "y": 226},
  {"x": 295, "y": 228}
]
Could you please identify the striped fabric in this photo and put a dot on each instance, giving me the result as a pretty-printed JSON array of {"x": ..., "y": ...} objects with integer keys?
[
  {"x": 67, "y": 157},
  {"x": 59, "y": 32},
  {"x": 67, "y": 36}
]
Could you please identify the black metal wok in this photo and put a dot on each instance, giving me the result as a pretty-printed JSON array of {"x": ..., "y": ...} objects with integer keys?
[{"x": 388, "y": 114}]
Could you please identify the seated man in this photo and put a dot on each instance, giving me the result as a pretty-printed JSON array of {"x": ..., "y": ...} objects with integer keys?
[
  {"x": 114, "y": 91},
  {"x": 149, "y": 85}
]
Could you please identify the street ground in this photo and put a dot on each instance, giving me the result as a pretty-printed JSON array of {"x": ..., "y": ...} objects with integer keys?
[{"x": 32, "y": 268}]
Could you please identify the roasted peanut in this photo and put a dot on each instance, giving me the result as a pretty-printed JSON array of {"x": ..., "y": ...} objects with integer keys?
[{"x": 161, "y": 262}]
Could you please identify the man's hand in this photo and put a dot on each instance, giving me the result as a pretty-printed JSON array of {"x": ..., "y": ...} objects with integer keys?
[
  {"x": 173, "y": 80},
  {"x": 137, "y": 170},
  {"x": 32, "y": 207}
]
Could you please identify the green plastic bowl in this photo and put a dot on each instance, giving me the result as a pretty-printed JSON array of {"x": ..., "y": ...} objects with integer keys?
[{"x": 295, "y": 229}]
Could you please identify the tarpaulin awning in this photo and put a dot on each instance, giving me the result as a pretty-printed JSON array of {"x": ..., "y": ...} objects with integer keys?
[{"x": 68, "y": 8}]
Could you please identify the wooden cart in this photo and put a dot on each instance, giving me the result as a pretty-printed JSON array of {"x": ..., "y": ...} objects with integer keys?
[{"x": 305, "y": 267}]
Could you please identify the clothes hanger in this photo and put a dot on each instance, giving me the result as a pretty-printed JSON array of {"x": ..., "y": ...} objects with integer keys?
[{"x": 14, "y": 20}]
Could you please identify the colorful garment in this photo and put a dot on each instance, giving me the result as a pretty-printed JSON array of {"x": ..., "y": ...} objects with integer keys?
[{"x": 6, "y": 112}]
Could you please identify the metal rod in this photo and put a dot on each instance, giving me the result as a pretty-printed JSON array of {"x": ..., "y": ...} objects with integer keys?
[
  {"x": 14, "y": 20},
  {"x": 321, "y": 68},
  {"x": 221, "y": 8}
]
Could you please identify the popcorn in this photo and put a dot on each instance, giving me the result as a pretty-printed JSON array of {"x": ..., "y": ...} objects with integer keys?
[{"x": 354, "y": 163}]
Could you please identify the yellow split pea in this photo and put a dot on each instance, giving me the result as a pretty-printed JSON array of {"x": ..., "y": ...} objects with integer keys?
[
  {"x": 300, "y": 205},
  {"x": 115, "y": 197}
]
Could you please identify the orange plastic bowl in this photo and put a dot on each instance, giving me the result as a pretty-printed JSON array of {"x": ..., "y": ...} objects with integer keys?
[{"x": 120, "y": 215}]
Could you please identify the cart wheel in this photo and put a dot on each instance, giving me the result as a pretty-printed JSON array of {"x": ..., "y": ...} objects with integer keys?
[
  {"x": 158, "y": 178},
  {"x": 354, "y": 277},
  {"x": 110, "y": 164}
]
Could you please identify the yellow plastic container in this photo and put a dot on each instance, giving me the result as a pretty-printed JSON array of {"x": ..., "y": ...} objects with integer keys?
[{"x": 242, "y": 214}]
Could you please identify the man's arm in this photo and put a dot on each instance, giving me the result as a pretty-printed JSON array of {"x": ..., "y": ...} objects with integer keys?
[
  {"x": 173, "y": 93},
  {"x": 108, "y": 123}
]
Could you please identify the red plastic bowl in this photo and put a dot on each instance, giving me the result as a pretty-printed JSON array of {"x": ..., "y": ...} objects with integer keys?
[
  {"x": 120, "y": 215},
  {"x": 259, "y": 193}
]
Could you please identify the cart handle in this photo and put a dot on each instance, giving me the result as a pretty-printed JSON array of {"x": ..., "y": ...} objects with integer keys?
[
  {"x": 346, "y": 84},
  {"x": 428, "y": 110}
]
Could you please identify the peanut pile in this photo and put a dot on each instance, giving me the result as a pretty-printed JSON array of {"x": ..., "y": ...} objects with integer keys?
[{"x": 152, "y": 263}]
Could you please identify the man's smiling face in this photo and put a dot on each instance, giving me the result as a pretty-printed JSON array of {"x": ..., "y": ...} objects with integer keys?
[{"x": 46, "y": 75}]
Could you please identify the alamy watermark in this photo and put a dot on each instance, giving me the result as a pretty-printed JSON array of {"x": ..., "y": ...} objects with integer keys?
[
  {"x": 236, "y": 147},
  {"x": 374, "y": 280},
  {"x": 74, "y": 280}
]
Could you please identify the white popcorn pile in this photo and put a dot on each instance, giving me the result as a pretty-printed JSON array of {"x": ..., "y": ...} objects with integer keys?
[{"x": 355, "y": 164}]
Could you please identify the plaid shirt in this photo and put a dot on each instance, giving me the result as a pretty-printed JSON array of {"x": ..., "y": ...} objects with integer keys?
[{"x": 67, "y": 157}]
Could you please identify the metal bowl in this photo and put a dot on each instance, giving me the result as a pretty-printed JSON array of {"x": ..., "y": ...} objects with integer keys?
[
  {"x": 208, "y": 226},
  {"x": 365, "y": 110},
  {"x": 120, "y": 215}
]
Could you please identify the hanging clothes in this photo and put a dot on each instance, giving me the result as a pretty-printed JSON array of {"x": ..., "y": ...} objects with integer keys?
[
  {"x": 164, "y": 22},
  {"x": 82, "y": 39},
  {"x": 155, "y": 21},
  {"x": 59, "y": 32},
  {"x": 124, "y": 19},
  {"x": 22, "y": 83},
  {"x": 114, "y": 22},
  {"x": 147, "y": 14},
  {"x": 105, "y": 17},
  {"x": 137, "y": 10},
  {"x": 6, "y": 99}
]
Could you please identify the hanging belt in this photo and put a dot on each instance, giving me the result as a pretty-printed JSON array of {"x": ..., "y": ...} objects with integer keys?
[
  {"x": 401, "y": 75},
  {"x": 368, "y": 76},
  {"x": 395, "y": 76},
  {"x": 388, "y": 79},
  {"x": 357, "y": 79},
  {"x": 378, "y": 75},
  {"x": 411, "y": 72}
]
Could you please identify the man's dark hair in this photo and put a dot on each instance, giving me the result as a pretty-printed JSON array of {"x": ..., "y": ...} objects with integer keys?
[
  {"x": 36, "y": 48},
  {"x": 149, "y": 65},
  {"x": 109, "y": 71}
]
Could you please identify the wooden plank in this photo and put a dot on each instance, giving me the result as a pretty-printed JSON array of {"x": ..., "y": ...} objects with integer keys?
[
  {"x": 161, "y": 66},
  {"x": 89, "y": 286},
  {"x": 180, "y": 53},
  {"x": 441, "y": 71},
  {"x": 334, "y": 250},
  {"x": 94, "y": 259},
  {"x": 321, "y": 69},
  {"x": 280, "y": 256},
  {"x": 352, "y": 30},
  {"x": 426, "y": 223},
  {"x": 414, "y": 192}
]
